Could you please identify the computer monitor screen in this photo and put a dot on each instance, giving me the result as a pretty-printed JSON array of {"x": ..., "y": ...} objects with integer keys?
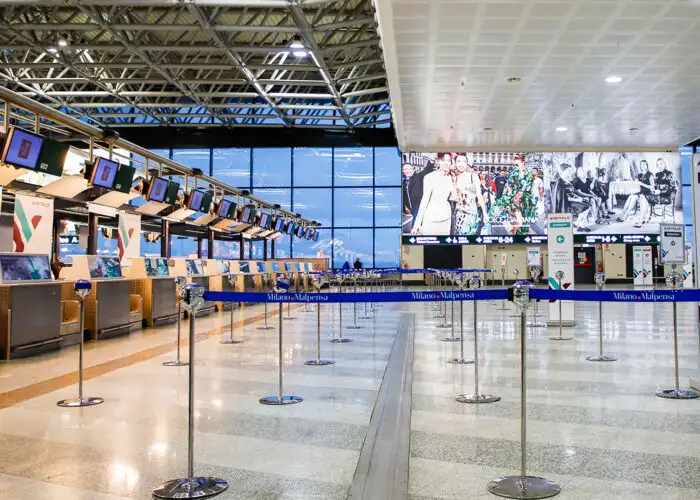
[
  {"x": 162, "y": 266},
  {"x": 299, "y": 232},
  {"x": 157, "y": 189},
  {"x": 307, "y": 233},
  {"x": 195, "y": 200},
  {"x": 104, "y": 172},
  {"x": 315, "y": 235},
  {"x": 265, "y": 221},
  {"x": 104, "y": 267},
  {"x": 224, "y": 207},
  {"x": 245, "y": 268},
  {"x": 275, "y": 267},
  {"x": 261, "y": 267},
  {"x": 279, "y": 224},
  {"x": 21, "y": 267},
  {"x": 291, "y": 227},
  {"x": 151, "y": 270},
  {"x": 22, "y": 149},
  {"x": 194, "y": 267}
]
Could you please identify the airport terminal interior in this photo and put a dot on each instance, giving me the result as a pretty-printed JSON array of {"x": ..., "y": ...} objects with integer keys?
[{"x": 349, "y": 249}]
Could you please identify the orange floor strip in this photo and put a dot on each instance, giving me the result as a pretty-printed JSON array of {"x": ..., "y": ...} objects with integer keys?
[{"x": 16, "y": 396}]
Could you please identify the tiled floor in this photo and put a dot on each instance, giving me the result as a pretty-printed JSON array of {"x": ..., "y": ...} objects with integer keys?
[{"x": 595, "y": 428}]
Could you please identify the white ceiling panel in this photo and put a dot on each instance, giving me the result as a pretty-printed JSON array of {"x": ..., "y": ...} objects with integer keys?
[{"x": 447, "y": 62}]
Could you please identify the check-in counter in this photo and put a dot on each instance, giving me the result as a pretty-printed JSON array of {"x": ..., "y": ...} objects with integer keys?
[
  {"x": 110, "y": 304},
  {"x": 30, "y": 306},
  {"x": 195, "y": 272},
  {"x": 219, "y": 271},
  {"x": 151, "y": 281}
]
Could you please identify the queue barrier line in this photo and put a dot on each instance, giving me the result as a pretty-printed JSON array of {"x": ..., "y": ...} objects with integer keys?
[
  {"x": 685, "y": 295},
  {"x": 355, "y": 297}
]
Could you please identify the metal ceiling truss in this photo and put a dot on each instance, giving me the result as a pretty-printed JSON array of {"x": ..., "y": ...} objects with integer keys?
[{"x": 126, "y": 65}]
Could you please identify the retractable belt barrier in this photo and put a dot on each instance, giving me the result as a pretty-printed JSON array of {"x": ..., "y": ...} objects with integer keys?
[
  {"x": 352, "y": 297},
  {"x": 685, "y": 295}
]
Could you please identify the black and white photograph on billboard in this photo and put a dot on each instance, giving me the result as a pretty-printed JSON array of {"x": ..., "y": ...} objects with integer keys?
[
  {"x": 471, "y": 194},
  {"x": 614, "y": 193}
]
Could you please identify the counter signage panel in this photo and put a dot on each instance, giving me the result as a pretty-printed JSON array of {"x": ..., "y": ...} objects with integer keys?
[
  {"x": 245, "y": 267},
  {"x": 104, "y": 267},
  {"x": 223, "y": 267},
  {"x": 261, "y": 267},
  {"x": 22, "y": 149},
  {"x": 279, "y": 224},
  {"x": 25, "y": 267},
  {"x": 171, "y": 193},
  {"x": 316, "y": 235},
  {"x": 206, "y": 202},
  {"x": 298, "y": 266},
  {"x": 299, "y": 231},
  {"x": 474, "y": 240},
  {"x": 288, "y": 267},
  {"x": 162, "y": 266},
  {"x": 275, "y": 267},
  {"x": 52, "y": 157},
  {"x": 194, "y": 267},
  {"x": 291, "y": 227},
  {"x": 125, "y": 176},
  {"x": 650, "y": 239}
]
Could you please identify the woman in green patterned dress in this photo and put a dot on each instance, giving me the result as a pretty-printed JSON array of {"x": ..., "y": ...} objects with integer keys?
[{"x": 516, "y": 207}]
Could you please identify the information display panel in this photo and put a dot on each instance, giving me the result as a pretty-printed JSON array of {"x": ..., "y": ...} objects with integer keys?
[
  {"x": 104, "y": 173},
  {"x": 157, "y": 189},
  {"x": 22, "y": 149},
  {"x": 261, "y": 267},
  {"x": 17, "y": 268},
  {"x": 244, "y": 267},
  {"x": 194, "y": 267},
  {"x": 275, "y": 267},
  {"x": 223, "y": 267},
  {"x": 104, "y": 267},
  {"x": 511, "y": 194}
]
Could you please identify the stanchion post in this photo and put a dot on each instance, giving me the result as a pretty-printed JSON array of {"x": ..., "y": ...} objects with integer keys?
[
  {"x": 191, "y": 486},
  {"x": 535, "y": 275},
  {"x": 477, "y": 397},
  {"x": 289, "y": 306},
  {"x": 318, "y": 282},
  {"x": 265, "y": 326},
  {"x": 559, "y": 275},
  {"x": 599, "y": 282},
  {"x": 516, "y": 272},
  {"x": 460, "y": 360},
  {"x": 674, "y": 280},
  {"x": 450, "y": 277},
  {"x": 340, "y": 339},
  {"x": 230, "y": 340},
  {"x": 503, "y": 284},
  {"x": 82, "y": 289},
  {"x": 523, "y": 486},
  {"x": 280, "y": 398},
  {"x": 180, "y": 284},
  {"x": 354, "y": 326}
]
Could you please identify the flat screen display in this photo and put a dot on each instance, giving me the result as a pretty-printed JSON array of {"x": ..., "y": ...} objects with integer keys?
[
  {"x": 315, "y": 236},
  {"x": 224, "y": 208},
  {"x": 299, "y": 231},
  {"x": 104, "y": 267},
  {"x": 265, "y": 221},
  {"x": 157, "y": 189},
  {"x": 261, "y": 267},
  {"x": 298, "y": 265},
  {"x": 195, "y": 200},
  {"x": 151, "y": 269},
  {"x": 245, "y": 268},
  {"x": 291, "y": 227},
  {"x": 287, "y": 266},
  {"x": 275, "y": 267},
  {"x": 171, "y": 193},
  {"x": 125, "y": 177},
  {"x": 104, "y": 172},
  {"x": 22, "y": 149},
  {"x": 206, "y": 202},
  {"x": 308, "y": 233},
  {"x": 248, "y": 214},
  {"x": 279, "y": 224},
  {"x": 194, "y": 267},
  {"x": 223, "y": 267},
  {"x": 52, "y": 157},
  {"x": 20, "y": 267},
  {"x": 162, "y": 266}
]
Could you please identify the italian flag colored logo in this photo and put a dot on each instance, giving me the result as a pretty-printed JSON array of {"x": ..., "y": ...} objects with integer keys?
[{"x": 23, "y": 228}]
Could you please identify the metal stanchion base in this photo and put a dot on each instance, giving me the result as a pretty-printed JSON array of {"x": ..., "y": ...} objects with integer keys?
[
  {"x": 440, "y": 316},
  {"x": 341, "y": 341},
  {"x": 444, "y": 325},
  {"x": 537, "y": 325},
  {"x": 266, "y": 328},
  {"x": 601, "y": 358},
  {"x": 74, "y": 403},
  {"x": 290, "y": 318},
  {"x": 477, "y": 398},
  {"x": 561, "y": 338},
  {"x": 451, "y": 339},
  {"x": 678, "y": 394},
  {"x": 284, "y": 400},
  {"x": 191, "y": 487},
  {"x": 354, "y": 327},
  {"x": 461, "y": 361},
  {"x": 364, "y": 317},
  {"x": 319, "y": 362},
  {"x": 523, "y": 487},
  {"x": 176, "y": 363},
  {"x": 230, "y": 341}
]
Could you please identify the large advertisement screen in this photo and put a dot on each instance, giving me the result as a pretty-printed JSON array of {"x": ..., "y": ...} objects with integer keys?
[{"x": 506, "y": 195}]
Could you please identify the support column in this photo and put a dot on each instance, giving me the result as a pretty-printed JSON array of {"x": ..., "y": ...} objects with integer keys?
[
  {"x": 241, "y": 255},
  {"x": 56, "y": 243},
  {"x": 265, "y": 249},
  {"x": 210, "y": 243},
  {"x": 200, "y": 245},
  {"x": 165, "y": 238},
  {"x": 272, "y": 249},
  {"x": 92, "y": 234}
]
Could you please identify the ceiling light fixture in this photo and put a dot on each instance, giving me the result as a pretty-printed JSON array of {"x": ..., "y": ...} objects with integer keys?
[
  {"x": 562, "y": 129},
  {"x": 62, "y": 41},
  {"x": 514, "y": 79},
  {"x": 298, "y": 48},
  {"x": 613, "y": 79}
]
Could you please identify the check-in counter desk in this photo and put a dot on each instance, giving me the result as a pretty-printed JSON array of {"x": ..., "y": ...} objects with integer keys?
[
  {"x": 219, "y": 271},
  {"x": 151, "y": 280},
  {"x": 30, "y": 306},
  {"x": 110, "y": 307}
]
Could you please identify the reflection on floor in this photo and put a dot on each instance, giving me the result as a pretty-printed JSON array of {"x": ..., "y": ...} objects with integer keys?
[{"x": 595, "y": 428}]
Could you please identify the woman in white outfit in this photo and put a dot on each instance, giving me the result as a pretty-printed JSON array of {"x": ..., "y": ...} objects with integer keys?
[
  {"x": 434, "y": 214},
  {"x": 468, "y": 197}
]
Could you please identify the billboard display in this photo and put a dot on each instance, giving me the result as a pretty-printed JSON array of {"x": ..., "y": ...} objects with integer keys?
[{"x": 475, "y": 196}]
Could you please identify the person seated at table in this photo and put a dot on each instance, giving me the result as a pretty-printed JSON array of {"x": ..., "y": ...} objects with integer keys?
[
  {"x": 601, "y": 188},
  {"x": 646, "y": 186}
]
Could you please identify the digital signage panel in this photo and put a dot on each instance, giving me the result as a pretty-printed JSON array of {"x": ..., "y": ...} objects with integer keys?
[{"x": 22, "y": 149}]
